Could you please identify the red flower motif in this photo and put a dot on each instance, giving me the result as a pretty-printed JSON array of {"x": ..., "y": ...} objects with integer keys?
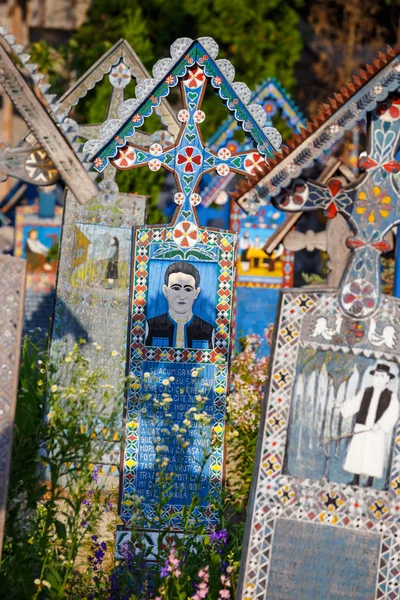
[
  {"x": 170, "y": 80},
  {"x": 136, "y": 118},
  {"x": 125, "y": 158},
  {"x": 190, "y": 158},
  {"x": 218, "y": 80},
  {"x": 360, "y": 297},
  {"x": 389, "y": 110},
  {"x": 98, "y": 162},
  {"x": 194, "y": 78}
]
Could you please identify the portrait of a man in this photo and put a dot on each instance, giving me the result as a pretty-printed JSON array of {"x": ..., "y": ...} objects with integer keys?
[
  {"x": 179, "y": 327},
  {"x": 376, "y": 410}
]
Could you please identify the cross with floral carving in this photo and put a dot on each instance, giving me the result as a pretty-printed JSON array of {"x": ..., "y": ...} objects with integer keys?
[
  {"x": 188, "y": 158},
  {"x": 370, "y": 205}
]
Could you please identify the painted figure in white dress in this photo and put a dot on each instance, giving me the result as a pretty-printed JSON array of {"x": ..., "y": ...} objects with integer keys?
[{"x": 376, "y": 409}]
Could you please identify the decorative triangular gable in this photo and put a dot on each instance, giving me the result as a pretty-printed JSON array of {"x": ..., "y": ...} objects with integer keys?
[
  {"x": 273, "y": 98},
  {"x": 120, "y": 55},
  {"x": 192, "y": 64},
  {"x": 339, "y": 114}
]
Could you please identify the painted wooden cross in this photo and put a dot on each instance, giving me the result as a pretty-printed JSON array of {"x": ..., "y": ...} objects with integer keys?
[
  {"x": 182, "y": 279},
  {"x": 370, "y": 204}
]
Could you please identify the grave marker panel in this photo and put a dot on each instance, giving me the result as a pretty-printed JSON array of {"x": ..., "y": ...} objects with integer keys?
[
  {"x": 327, "y": 467},
  {"x": 192, "y": 349}
]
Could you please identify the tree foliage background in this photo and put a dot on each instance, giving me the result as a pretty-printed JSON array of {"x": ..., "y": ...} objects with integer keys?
[{"x": 310, "y": 47}]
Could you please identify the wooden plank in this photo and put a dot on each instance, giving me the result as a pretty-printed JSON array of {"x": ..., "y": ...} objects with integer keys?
[
  {"x": 44, "y": 128},
  {"x": 12, "y": 291}
]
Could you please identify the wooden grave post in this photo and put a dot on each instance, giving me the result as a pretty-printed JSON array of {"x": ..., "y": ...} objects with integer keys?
[
  {"x": 182, "y": 285},
  {"x": 323, "y": 515},
  {"x": 12, "y": 289}
]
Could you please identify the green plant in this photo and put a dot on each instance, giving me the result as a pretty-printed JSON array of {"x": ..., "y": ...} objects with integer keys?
[{"x": 55, "y": 499}]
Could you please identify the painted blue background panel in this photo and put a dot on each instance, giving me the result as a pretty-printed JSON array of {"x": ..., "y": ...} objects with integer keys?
[
  {"x": 255, "y": 306},
  {"x": 314, "y": 561},
  {"x": 191, "y": 473}
]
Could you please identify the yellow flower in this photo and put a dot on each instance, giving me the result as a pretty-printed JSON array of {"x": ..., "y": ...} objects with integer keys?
[
  {"x": 114, "y": 353},
  {"x": 46, "y": 583},
  {"x": 36, "y": 581},
  {"x": 68, "y": 359},
  {"x": 54, "y": 388}
]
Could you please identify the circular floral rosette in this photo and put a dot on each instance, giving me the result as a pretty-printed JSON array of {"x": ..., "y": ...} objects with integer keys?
[
  {"x": 223, "y": 170},
  {"x": 270, "y": 108},
  {"x": 183, "y": 115},
  {"x": 189, "y": 159},
  {"x": 120, "y": 76},
  {"x": 389, "y": 111},
  {"x": 359, "y": 297},
  {"x": 194, "y": 78},
  {"x": 39, "y": 167},
  {"x": 297, "y": 197},
  {"x": 224, "y": 153},
  {"x": 185, "y": 234},
  {"x": 154, "y": 164},
  {"x": 179, "y": 198},
  {"x": 253, "y": 163},
  {"x": 156, "y": 149},
  {"x": 195, "y": 199},
  {"x": 199, "y": 116},
  {"x": 125, "y": 158}
]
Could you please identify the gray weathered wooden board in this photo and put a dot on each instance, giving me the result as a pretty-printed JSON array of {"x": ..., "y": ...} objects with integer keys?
[{"x": 12, "y": 289}]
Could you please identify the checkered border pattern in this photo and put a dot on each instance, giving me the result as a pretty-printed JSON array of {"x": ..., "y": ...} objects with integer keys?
[
  {"x": 225, "y": 243},
  {"x": 278, "y": 495}
]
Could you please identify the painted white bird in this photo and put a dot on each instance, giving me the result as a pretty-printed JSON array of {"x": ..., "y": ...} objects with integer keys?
[
  {"x": 387, "y": 337},
  {"x": 321, "y": 328}
]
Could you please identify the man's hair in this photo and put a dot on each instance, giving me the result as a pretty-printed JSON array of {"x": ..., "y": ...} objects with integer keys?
[{"x": 182, "y": 267}]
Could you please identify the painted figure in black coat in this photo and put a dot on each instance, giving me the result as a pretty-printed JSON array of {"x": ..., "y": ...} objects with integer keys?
[
  {"x": 112, "y": 265},
  {"x": 179, "y": 327}
]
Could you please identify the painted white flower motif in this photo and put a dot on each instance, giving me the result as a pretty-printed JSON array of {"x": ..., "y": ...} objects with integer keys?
[
  {"x": 120, "y": 76},
  {"x": 195, "y": 199},
  {"x": 156, "y": 149},
  {"x": 253, "y": 162},
  {"x": 256, "y": 538},
  {"x": 185, "y": 234},
  {"x": 249, "y": 591},
  {"x": 154, "y": 165},
  {"x": 334, "y": 129},
  {"x": 356, "y": 506},
  {"x": 224, "y": 153},
  {"x": 223, "y": 170},
  {"x": 199, "y": 116},
  {"x": 183, "y": 115},
  {"x": 179, "y": 198}
]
